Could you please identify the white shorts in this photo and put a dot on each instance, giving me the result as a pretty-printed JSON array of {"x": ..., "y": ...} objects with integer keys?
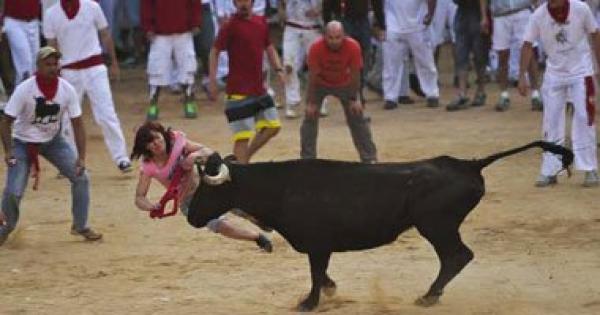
[
  {"x": 166, "y": 50},
  {"x": 509, "y": 28}
]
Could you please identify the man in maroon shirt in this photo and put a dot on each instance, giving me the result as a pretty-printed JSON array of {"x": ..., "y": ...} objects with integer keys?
[
  {"x": 334, "y": 65},
  {"x": 22, "y": 28},
  {"x": 169, "y": 26},
  {"x": 248, "y": 107}
]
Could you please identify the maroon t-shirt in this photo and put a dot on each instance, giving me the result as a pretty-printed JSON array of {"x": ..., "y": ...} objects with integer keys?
[
  {"x": 22, "y": 9},
  {"x": 245, "y": 40}
]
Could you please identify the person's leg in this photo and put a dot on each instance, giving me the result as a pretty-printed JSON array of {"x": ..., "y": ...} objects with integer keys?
[
  {"x": 206, "y": 37},
  {"x": 185, "y": 58},
  {"x": 310, "y": 129},
  {"x": 583, "y": 127},
  {"x": 16, "y": 182},
  {"x": 291, "y": 49},
  {"x": 395, "y": 52},
  {"x": 461, "y": 62},
  {"x": 158, "y": 70},
  {"x": 422, "y": 52},
  {"x": 97, "y": 87},
  {"x": 360, "y": 130},
  {"x": 226, "y": 228},
  {"x": 267, "y": 124},
  {"x": 18, "y": 39},
  {"x": 33, "y": 37},
  {"x": 553, "y": 124}
]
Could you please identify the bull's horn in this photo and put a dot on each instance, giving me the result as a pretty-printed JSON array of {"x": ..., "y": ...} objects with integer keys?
[{"x": 220, "y": 178}]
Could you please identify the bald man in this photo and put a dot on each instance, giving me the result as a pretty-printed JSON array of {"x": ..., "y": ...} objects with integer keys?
[{"x": 334, "y": 65}]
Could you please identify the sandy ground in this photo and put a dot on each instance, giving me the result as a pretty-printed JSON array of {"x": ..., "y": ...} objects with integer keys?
[{"x": 537, "y": 251}]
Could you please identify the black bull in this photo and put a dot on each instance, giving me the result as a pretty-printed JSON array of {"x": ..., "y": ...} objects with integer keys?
[{"x": 322, "y": 206}]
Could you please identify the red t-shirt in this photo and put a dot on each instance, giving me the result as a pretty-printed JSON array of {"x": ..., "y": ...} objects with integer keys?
[
  {"x": 245, "y": 41},
  {"x": 22, "y": 9},
  {"x": 333, "y": 67},
  {"x": 166, "y": 17}
]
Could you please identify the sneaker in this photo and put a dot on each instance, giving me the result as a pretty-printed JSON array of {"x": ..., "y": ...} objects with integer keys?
[
  {"x": 503, "y": 104},
  {"x": 458, "y": 104},
  {"x": 125, "y": 167},
  {"x": 388, "y": 105},
  {"x": 591, "y": 179},
  {"x": 545, "y": 181},
  {"x": 479, "y": 100},
  {"x": 190, "y": 110},
  {"x": 405, "y": 100},
  {"x": 433, "y": 102},
  {"x": 264, "y": 243},
  {"x": 290, "y": 113},
  {"x": 323, "y": 111},
  {"x": 152, "y": 113},
  {"x": 536, "y": 104},
  {"x": 88, "y": 234}
]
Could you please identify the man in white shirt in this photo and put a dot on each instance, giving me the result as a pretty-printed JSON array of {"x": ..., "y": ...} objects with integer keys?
[
  {"x": 73, "y": 26},
  {"x": 563, "y": 27},
  {"x": 406, "y": 24},
  {"x": 35, "y": 110}
]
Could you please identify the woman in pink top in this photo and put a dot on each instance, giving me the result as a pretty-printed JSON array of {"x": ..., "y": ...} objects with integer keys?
[{"x": 162, "y": 151}]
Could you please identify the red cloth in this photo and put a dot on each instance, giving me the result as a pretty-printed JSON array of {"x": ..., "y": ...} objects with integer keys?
[
  {"x": 85, "y": 63},
  {"x": 70, "y": 7},
  {"x": 33, "y": 152},
  {"x": 48, "y": 86},
  {"x": 333, "y": 67},
  {"x": 590, "y": 99},
  {"x": 25, "y": 10},
  {"x": 559, "y": 14},
  {"x": 245, "y": 40},
  {"x": 166, "y": 17}
]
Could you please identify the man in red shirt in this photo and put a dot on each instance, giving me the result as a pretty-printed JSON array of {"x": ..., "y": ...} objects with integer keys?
[
  {"x": 334, "y": 64},
  {"x": 169, "y": 26},
  {"x": 248, "y": 107}
]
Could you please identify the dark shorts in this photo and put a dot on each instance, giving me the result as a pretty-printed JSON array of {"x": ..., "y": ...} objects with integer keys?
[
  {"x": 469, "y": 40},
  {"x": 247, "y": 114}
]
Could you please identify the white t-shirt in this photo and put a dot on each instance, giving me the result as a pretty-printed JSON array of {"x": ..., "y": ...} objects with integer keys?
[
  {"x": 37, "y": 119},
  {"x": 405, "y": 16},
  {"x": 569, "y": 55},
  {"x": 77, "y": 38},
  {"x": 295, "y": 11}
]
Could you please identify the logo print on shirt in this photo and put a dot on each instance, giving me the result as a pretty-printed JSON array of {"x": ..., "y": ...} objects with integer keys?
[
  {"x": 45, "y": 112},
  {"x": 561, "y": 37}
]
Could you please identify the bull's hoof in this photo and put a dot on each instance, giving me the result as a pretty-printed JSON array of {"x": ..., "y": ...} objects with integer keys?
[
  {"x": 427, "y": 300},
  {"x": 329, "y": 289},
  {"x": 306, "y": 306}
]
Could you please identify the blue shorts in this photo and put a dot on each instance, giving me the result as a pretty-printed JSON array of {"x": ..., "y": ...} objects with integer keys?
[{"x": 248, "y": 114}]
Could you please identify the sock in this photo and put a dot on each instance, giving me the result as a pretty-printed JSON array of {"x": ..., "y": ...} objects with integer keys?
[{"x": 535, "y": 94}]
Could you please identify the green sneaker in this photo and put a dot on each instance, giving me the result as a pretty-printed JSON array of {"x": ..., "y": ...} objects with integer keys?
[
  {"x": 190, "y": 110},
  {"x": 152, "y": 113}
]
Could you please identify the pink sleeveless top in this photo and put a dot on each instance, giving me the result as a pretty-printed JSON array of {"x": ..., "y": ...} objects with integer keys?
[{"x": 164, "y": 173}]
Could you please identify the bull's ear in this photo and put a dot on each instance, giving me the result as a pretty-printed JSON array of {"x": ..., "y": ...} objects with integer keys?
[{"x": 213, "y": 164}]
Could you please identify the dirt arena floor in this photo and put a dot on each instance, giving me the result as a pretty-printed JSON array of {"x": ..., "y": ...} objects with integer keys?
[{"x": 537, "y": 251}]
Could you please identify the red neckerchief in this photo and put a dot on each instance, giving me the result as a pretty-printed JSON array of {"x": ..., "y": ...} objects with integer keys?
[
  {"x": 48, "y": 86},
  {"x": 559, "y": 14},
  {"x": 70, "y": 7}
]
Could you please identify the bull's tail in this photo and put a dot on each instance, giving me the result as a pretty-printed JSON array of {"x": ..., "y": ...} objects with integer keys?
[{"x": 566, "y": 155}]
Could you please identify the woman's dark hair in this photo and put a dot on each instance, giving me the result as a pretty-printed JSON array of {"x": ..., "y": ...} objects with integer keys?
[{"x": 144, "y": 136}]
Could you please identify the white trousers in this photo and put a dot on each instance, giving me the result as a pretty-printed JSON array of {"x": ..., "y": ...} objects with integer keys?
[
  {"x": 556, "y": 93},
  {"x": 94, "y": 83},
  {"x": 24, "y": 40},
  {"x": 442, "y": 25},
  {"x": 166, "y": 49},
  {"x": 396, "y": 48},
  {"x": 296, "y": 42}
]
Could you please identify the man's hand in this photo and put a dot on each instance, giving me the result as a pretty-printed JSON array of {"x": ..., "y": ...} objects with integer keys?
[
  {"x": 523, "y": 85},
  {"x": 213, "y": 89},
  {"x": 10, "y": 160},
  {"x": 356, "y": 107},
  {"x": 150, "y": 36},
  {"x": 79, "y": 167},
  {"x": 115, "y": 72},
  {"x": 427, "y": 19},
  {"x": 485, "y": 25},
  {"x": 311, "y": 110}
]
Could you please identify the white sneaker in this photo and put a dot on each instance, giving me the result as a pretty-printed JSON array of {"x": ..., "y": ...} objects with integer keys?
[
  {"x": 323, "y": 111},
  {"x": 290, "y": 113}
]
